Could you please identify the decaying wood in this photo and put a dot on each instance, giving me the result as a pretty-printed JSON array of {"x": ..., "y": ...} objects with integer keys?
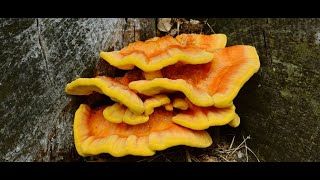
[
  {"x": 280, "y": 105},
  {"x": 38, "y": 58},
  {"x": 139, "y": 29}
]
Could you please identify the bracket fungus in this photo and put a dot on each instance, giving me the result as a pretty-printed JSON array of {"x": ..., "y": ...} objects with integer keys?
[
  {"x": 174, "y": 89},
  {"x": 180, "y": 103},
  {"x": 154, "y": 54},
  {"x": 108, "y": 86},
  {"x": 212, "y": 84},
  {"x": 94, "y": 135},
  {"x": 199, "y": 118},
  {"x": 235, "y": 122},
  {"x": 118, "y": 113}
]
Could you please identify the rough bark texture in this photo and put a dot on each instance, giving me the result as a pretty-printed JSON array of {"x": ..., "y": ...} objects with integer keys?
[
  {"x": 280, "y": 105},
  {"x": 38, "y": 58}
]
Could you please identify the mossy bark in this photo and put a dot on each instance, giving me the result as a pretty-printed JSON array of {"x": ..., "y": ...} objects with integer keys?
[{"x": 280, "y": 105}]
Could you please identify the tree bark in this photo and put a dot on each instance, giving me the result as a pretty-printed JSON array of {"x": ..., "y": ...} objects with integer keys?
[
  {"x": 280, "y": 105},
  {"x": 38, "y": 58}
]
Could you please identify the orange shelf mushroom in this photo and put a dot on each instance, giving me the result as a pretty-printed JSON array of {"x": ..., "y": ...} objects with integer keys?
[
  {"x": 108, "y": 86},
  {"x": 235, "y": 122},
  {"x": 156, "y": 53},
  {"x": 212, "y": 84},
  {"x": 168, "y": 107},
  {"x": 118, "y": 113},
  {"x": 199, "y": 118},
  {"x": 180, "y": 103},
  {"x": 143, "y": 119},
  {"x": 94, "y": 135}
]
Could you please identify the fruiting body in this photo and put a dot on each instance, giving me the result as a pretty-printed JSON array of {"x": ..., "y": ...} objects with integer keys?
[{"x": 174, "y": 90}]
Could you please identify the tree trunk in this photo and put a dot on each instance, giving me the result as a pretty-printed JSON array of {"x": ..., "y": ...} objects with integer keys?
[
  {"x": 280, "y": 105},
  {"x": 38, "y": 58}
]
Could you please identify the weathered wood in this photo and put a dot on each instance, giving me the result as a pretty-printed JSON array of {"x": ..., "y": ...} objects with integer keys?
[
  {"x": 135, "y": 29},
  {"x": 38, "y": 58},
  {"x": 139, "y": 29},
  {"x": 280, "y": 105}
]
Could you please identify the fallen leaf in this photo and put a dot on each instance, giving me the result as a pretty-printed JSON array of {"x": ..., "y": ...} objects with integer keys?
[
  {"x": 164, "y": 24},
  {"x": 192, "y": 21}
]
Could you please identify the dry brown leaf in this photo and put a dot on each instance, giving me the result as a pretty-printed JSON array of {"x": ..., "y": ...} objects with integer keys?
[
  {"x": 192, "y": 21},
  {"x": 164, "y": 24}
]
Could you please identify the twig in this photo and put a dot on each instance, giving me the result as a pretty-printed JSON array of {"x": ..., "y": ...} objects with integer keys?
[
  {"x": 167, "y": 159},
  {"x": 253, "y": 154},
  {"x": 149, "y": 158},
  {"x": 205, "y": 21},
  {"x": 223, "y": 158},
  {"x": 245, "y": 145},
  {"x": 231, "y": 142},
  {"x": 210, "y": 27},
  {"x": 188, "y": 155},
  {"x": 230, "y": 150},
  {"x": 195, "y": 159},
  {"x": 248, "y": 137},
  {"x": 219, "y": 146}
]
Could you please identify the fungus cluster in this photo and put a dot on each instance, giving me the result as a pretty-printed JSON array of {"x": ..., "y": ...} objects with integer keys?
[{"x": 174, "y": 89}]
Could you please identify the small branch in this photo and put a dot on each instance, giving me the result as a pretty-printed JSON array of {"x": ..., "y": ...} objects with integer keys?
[
  {"x": 210, "y": 27},
  {"x": 167, "y": 159},
  {"x": 230, "y": 150},
  {"x": 231, "y": 142},
  {"x": 223, "y": 158},
  {"x": 188, "y": 155},
  {"x": 248, "y": 137},
  {"x": 149, "y": 159},
  {"x": 245, "y": 144},
  {"x": 195, "y": 159},
  {"x": 253, "y": 154}
]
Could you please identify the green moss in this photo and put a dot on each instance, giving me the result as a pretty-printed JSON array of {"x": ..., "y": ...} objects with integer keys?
[
  {"x": 286, "y": 93},
  {"x": 302, "y": 50}
]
